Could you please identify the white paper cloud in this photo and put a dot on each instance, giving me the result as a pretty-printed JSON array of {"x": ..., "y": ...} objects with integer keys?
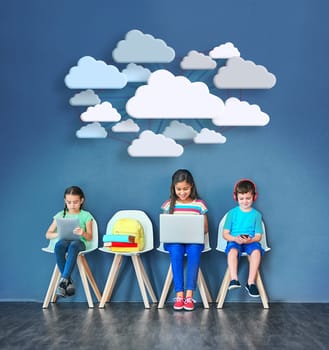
[
  {"x": 241, "y": 113},
  {"x": 92, "y": 131},
  {"x": 197, "y": 60},
  {"x": 179, "y": 131},
  {"x": 139, "y": 47},
  {"x": 92, "y": 74},
  {"x": 173, "y": 97},
  {"x": 103, "y": 112},
  {"x": 223, "y": 51},
  {"x": 209, "y": 136},
  {"x": 136, "y": 73},
  {"x": 150, "y": 144},
  {"x": 85, "y": 98},
  {"x": 126, "y": 126},
  {"x": 241, "y": 74}
]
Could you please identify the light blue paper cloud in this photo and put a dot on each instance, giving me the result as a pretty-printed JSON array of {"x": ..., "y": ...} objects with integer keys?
[
  {"x": 92, "y": 131},
  {"x": 93, "y": 74}
]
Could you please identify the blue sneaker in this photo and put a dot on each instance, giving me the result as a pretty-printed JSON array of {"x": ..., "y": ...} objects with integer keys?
[
  {"x": 234, "y": 284},
  {"x": 252, "y": 290}
]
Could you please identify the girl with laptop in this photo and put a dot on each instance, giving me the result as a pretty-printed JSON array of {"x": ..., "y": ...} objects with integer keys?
[
  {"x": 184, "y": 199},
  {"x": 66, "y": 251}
]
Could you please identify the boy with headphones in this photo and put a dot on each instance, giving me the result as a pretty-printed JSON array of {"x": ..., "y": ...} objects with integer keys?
[{"x": 243, "y": 231}]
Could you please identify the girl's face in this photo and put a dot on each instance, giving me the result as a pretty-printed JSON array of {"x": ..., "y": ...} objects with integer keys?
[
  {"x": 183, "y": 191},
  {"x": 73, "y": 203},
  {"x": 245, "y": 201}
]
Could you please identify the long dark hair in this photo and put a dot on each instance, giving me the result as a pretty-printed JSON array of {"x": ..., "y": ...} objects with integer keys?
[
  {"x": 179, "y": 176},
  {"x": 75, "y": 190}
]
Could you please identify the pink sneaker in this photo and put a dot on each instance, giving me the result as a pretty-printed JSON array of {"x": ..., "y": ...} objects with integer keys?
[
  {"x": 189, "y": 304},
  {"x": 178, "y": 303}
]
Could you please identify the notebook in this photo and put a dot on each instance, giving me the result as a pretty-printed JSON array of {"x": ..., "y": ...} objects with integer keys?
[
  {"x": 65, "y": 227},
  {"x": 181, "y": 228}
]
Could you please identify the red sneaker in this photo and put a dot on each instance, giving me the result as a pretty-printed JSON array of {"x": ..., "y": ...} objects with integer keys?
[
  {"x": 189, "y": 304},
  {"x": 178, "y": 303}
]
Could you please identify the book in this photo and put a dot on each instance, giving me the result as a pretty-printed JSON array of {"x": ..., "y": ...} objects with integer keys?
[
  {"x": 120, "y": 244},
  {"x": 119, "y": 238}
]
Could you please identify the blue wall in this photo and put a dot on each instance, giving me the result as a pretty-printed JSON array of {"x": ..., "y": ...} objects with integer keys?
[{"x": 40, "y": 155}]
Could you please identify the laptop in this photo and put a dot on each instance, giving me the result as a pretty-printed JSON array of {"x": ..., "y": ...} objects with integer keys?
[
  {"x": 181, "y": 228},
  {"x": 65, "y": 227}
]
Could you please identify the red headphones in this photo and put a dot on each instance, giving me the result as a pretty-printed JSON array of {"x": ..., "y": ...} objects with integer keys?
[{"x": 235, "y": 197}]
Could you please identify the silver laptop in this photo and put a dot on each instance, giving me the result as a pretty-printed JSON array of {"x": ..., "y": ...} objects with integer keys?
[
  {"x": 181, "y": 228},
  {"x": 65, "y": 227}
]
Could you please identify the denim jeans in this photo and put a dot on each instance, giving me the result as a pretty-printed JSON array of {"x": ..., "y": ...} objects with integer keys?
[
  {"x": 66, "y": 255},
  {"x": 177, "y": 252}
]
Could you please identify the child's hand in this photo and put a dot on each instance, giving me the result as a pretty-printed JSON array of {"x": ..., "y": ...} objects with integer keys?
[
  {"x": 243, "y": 239},
  {"x": 78, "y": 231}
]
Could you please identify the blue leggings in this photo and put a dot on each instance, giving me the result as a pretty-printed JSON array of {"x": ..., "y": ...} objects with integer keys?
[
  {"x": 177, "y": 252},
  {"x": 66, "y": 255}
]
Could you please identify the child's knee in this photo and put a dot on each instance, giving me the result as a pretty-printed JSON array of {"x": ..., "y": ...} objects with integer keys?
[{"x": 233, "y": 252}]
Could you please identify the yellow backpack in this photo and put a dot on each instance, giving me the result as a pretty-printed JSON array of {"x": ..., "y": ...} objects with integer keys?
[{"x": 127, "y": 236}]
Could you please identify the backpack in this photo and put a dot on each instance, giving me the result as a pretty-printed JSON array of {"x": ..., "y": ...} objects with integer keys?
[{"x": 127, "y": 236}]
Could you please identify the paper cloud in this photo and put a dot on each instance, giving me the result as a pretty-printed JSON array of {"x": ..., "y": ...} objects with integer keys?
[
  {"x": 226, "y": 50},
  {"x": 179, "y": 131},
  {"x": 197, "y": 60},
  {"x": 169, "y": 97},
  {"x": 85, "y": 98},
  {"x": 136, "y": 73},
  {"x": 92, "y": 74},
  {"x": 241, "y": 74},
  {"x": 150, "y": 144},
  {"x": 241, "y": 113},
  {"x": 139, "y": 47},
  {"x": 126, "y": 126},
  {"x": 92, "y": 131},
  {"x": 209, "y": 136},
  {"x": 103, "y": 112}
]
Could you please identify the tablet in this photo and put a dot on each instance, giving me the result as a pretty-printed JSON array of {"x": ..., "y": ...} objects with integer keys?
[{"x": 65, "y": 227}]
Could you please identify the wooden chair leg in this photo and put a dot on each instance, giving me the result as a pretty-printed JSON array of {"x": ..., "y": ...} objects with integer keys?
[
  {"x": 111, "y": 279},
  {"x": 90, "y": 277},
  {"x": 262, "y": 292},
  {"x": 51, "y": 292},
  {"x": 147, "y": 281},
  {"x": 201, "y": 276},
  {"x": 85, "y": 282},
  {"x": 140, "y": 279},
  {"x": 166, "y": 287},
  {"x": 223, "y": 289},
  {"x": 201, "y": 284}
]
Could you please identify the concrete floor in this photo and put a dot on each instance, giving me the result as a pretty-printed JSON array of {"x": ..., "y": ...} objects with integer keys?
[{"x": 128, "y": 326}]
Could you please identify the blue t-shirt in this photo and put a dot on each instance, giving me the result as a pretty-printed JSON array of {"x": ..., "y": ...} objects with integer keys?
[{"x": 240, "y": 222}]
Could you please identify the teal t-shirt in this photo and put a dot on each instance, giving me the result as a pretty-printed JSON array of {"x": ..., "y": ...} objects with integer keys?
[
  {"x": 84, "y": 216},
  {"x": 240, "y": 222}
]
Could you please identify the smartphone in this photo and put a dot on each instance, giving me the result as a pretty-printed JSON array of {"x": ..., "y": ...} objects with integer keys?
[{"x": 244, "y": 236}]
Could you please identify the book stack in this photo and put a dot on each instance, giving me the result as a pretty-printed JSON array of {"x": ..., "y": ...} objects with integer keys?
[{"x": 112, "y": 241}]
